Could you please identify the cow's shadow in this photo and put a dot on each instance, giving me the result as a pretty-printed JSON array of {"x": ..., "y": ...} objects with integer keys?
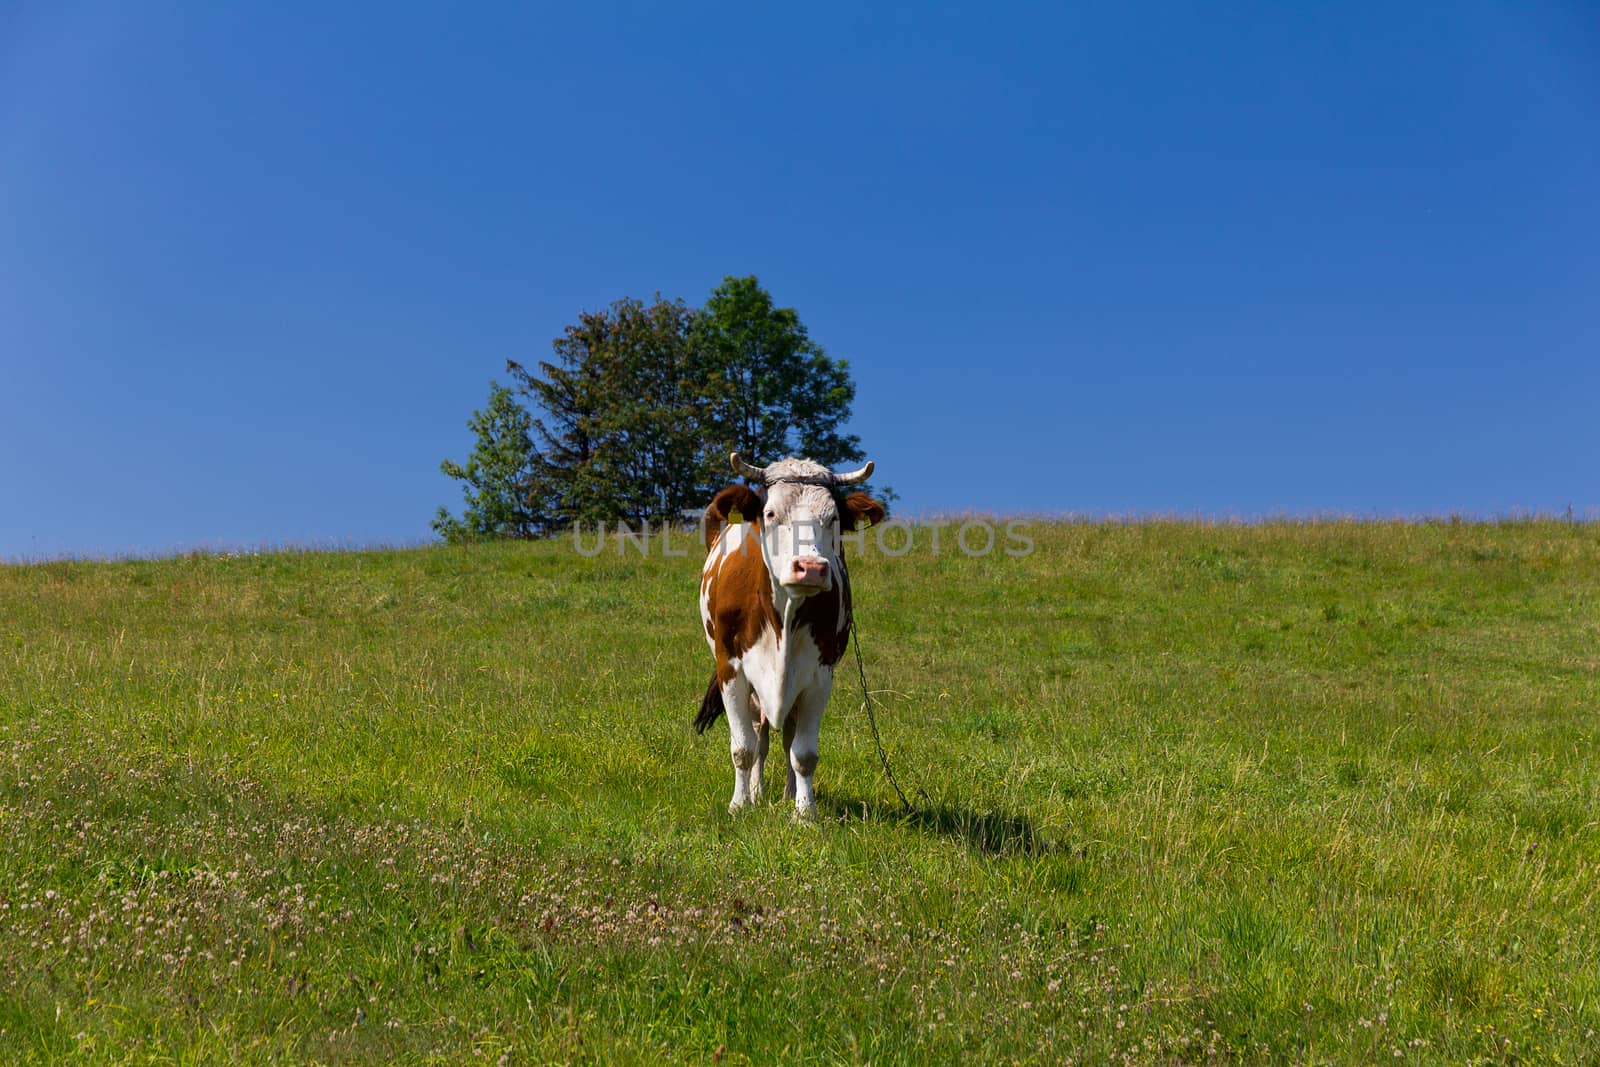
[{"x": 993, "y": 833}]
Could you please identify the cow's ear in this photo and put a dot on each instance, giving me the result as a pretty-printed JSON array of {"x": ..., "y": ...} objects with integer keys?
[
  {"x": 861, "y": 511},
  {"x": 736, "y": 500}
]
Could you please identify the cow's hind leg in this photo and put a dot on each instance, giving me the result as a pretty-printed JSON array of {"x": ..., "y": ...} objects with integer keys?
[
  {"x": 788, "y": 766},
  {"x": 742, "y": 740},
  {"x": 758, "y": 774}
]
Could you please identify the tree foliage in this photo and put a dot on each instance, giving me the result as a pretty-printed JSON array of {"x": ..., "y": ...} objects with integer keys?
[
  {"x": 623, "y": 409},
  {"x": 776, "y": 393},
  {"x": 497, "y": 475},
  {"x": 634, "y": 416}
]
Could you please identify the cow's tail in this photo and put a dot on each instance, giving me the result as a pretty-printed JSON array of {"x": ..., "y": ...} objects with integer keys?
[{"x": 711, "y": 708}]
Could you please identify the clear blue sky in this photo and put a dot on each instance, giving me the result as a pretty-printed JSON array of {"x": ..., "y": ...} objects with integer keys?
[{"x": 258, "y": 263}]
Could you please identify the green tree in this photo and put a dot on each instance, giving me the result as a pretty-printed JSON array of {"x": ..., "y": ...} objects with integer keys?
[
  {"x": 623, "y": 412},
  {"x": 499, "y": 476},
  {"x": 634, "y": 417},
  {"x": 774, "y": 391}
]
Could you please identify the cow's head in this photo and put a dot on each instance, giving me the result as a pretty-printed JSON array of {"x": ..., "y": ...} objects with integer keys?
[{"x": 801, "y": 517}]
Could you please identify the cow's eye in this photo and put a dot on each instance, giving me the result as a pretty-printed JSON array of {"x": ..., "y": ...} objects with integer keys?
[{"x": 771, "y": 514}]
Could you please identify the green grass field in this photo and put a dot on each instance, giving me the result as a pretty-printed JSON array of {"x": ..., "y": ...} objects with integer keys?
[{"x": 1302, "y": 792}]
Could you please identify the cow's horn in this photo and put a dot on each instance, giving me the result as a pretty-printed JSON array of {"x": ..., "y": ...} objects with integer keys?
[
  {"x": 854, "y": 476},
  {"x": 755, "y": 474}
]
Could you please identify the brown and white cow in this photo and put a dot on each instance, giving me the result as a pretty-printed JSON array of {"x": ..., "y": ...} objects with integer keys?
[{"x": 775, "y": 601}]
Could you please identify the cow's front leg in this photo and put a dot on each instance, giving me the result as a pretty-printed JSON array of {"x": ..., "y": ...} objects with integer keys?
[
  {"x": 742, "y": 740},
  {"x": 803, "y": 750}
]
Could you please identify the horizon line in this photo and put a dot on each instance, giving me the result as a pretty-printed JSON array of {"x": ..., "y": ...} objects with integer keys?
[{"x": 1329, "y": 517}]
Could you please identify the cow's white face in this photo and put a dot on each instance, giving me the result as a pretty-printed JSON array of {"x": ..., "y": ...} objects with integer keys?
[{"x": 800, "y": 536}]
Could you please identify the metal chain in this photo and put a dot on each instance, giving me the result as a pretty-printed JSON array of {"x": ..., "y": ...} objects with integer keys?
[{"x": 872, "y": 720}]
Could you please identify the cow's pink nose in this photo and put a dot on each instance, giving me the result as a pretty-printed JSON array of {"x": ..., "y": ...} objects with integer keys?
[{"x": 808, "y": 570}]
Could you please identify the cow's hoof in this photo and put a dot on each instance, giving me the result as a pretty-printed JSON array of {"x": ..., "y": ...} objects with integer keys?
[
  {"x": 736, "y": 806},
  {"x": 806, "y": 814}
]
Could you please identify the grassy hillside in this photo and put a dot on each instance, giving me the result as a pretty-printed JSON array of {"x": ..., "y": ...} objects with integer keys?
[{"x": 1323, "y": 793}]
